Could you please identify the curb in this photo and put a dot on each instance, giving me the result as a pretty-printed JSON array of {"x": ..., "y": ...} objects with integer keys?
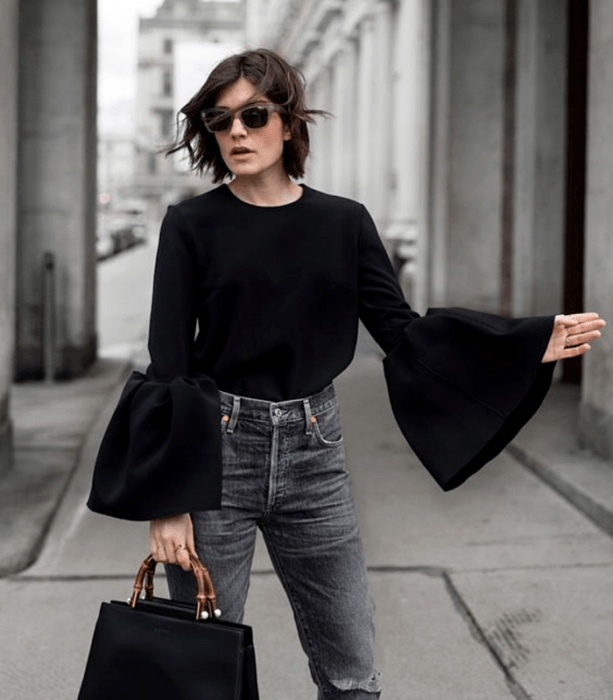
[
  {"x": 590, "y": 504},
  {"x": 550, "y": 447}
]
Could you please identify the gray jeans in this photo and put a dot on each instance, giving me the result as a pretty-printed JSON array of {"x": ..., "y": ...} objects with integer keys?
[{"x": 284, "y": 472}]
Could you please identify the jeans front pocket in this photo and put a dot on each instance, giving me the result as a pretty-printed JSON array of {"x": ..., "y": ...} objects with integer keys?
[{"x": 327, "y": 427}]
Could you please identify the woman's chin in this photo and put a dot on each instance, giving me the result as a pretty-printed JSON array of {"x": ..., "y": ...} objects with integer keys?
[{"x": 244, "y": 169}]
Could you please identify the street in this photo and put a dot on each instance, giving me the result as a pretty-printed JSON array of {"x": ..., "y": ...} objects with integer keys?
[{"x": 498, "y": 590}]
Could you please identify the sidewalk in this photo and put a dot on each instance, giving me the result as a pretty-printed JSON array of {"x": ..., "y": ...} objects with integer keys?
[
  {"x": 51, "y": 424},
  {"x": 496, "y": 591}
]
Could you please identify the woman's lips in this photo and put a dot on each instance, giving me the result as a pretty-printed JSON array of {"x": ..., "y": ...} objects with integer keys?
[{"x": 241, "y": 154}]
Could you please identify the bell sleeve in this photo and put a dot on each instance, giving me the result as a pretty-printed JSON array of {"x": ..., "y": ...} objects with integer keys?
[
  {"x": 461, "y": 383},
  {"x": 161, "y": 452}
]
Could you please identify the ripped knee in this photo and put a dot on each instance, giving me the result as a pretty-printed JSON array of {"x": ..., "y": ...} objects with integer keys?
[{"x": 370, "y": 685}]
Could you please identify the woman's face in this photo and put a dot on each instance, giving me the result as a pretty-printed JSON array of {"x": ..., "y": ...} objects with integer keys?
[{"x": 265, "y": 144}]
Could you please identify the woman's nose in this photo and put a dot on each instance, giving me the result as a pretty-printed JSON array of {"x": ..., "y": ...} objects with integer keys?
[{"x": 237, "y": 126}]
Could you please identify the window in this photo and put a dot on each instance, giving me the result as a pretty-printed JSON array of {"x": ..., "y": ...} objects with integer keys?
[
  {"x": 167, "y": 82},
  {"x": 166, "y": 119}
]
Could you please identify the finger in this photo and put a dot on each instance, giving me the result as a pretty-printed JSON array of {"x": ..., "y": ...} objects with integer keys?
[
  {"x": 152, "y": 546},
  {"x": 576, "y": 351},
  {"x": 566, "y": 321},
  {"x": 157, "y": 552},
  {"x": 160, "y": 556},
  {"x": 588, "y": 326},
  {"x": 182, "y": 557},
  {"x": 582, "y": 317},
  {"x": 170, "y": 556},
  {"x": 580, "y": 338},
  {"x": 191, "y": 545},
  {"x": 176, "y": 554},
  {"x": 157, "y": 542}
]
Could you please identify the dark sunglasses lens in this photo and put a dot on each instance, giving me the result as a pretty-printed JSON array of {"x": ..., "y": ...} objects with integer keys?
[
  {"x": 255, "y": 117},
  {"x": 217, "y": 120}
]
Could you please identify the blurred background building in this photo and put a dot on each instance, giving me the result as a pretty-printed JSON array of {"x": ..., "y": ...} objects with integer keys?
[
  {"x": 477, "y": 132},
  {"x": 177, "y": 48}
]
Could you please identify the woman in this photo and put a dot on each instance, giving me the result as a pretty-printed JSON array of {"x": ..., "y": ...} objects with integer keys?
[{"x": 276, "y": 275}]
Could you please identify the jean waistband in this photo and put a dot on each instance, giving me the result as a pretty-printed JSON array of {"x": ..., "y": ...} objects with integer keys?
[{"x": 277, "y": 412}]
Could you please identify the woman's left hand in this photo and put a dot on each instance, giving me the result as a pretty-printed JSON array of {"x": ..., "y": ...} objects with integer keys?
[{"x": 572, "y": 334}]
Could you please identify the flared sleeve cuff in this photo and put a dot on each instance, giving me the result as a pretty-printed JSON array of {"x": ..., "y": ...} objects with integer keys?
[
  {"x": 161, "y": 452},
  {"x": 463, "y": 383}
]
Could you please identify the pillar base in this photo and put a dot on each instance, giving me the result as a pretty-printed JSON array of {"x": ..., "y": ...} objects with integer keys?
[
  {"x": 596, "y": 430},
  {"x": 72, "y": 361}
]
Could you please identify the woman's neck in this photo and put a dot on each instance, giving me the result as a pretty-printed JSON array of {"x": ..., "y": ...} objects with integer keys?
[{"x": 266, "y": 192}]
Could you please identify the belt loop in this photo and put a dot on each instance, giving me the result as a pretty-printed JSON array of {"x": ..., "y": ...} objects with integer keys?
[
  {"x": 307, "y": 417},
  {"x": 234, "y": 415}
]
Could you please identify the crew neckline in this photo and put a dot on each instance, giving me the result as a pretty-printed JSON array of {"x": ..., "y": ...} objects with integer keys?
[{"x": 263, "y": 207}]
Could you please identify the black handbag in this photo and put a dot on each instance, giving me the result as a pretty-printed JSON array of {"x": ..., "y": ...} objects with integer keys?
[{"x": 157, "y": 648}]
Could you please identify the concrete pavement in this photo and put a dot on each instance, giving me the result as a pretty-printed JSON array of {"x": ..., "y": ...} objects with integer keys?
[
  {"x": 498, "y": 590},
  {"x": 51, "y": 423}
]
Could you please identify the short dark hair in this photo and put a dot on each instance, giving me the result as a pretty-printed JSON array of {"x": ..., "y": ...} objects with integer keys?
[{"x": 274, "y": 78}]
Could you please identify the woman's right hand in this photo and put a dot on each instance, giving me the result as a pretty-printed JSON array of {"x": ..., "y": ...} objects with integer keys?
[{"x": 171, "y": 540}]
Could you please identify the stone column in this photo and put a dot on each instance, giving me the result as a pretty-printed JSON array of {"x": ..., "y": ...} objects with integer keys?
[
  {"x": 316, "y": 163},
  {"x": 467, "y": 161},
  {"x": 57, "y": 160},
  {"x": 337, "y": 131},
  {"x": 349, "y": 127},
  {"x": 540, "y": 158},
  {"x": 365, "y": 113},
  {"x": 405, "y": 124},
  {"x": 439, "y": 144},
  {"x": 381, "y": 95},
  {"x": 313, "y": 102},
  {"x": 343, "y": 151},
  {"x": 596, "y": 413},
  {"x": 8, "y": 192},
  {"x": 325, "y": 128}
]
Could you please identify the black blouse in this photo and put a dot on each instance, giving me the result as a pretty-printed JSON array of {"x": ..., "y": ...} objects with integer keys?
[{"x": 275, "y": 294}]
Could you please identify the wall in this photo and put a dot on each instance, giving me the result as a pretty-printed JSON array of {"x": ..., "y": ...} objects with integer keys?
[{"x": 597, "y": 390}]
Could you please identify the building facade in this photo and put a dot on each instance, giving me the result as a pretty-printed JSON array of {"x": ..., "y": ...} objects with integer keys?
[
  {"x": 176, "y": 23},
  {"x": 477, "y": 132},
  {"x": 116, "y": 160}
]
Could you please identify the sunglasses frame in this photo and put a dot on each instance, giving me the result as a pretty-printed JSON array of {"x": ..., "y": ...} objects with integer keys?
[{"x": 268, "y": 106}]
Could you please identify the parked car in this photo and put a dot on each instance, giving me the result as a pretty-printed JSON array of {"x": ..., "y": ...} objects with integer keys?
[
  {"x": 118, "y": 231},
  {"x": 105, "y": 244}
]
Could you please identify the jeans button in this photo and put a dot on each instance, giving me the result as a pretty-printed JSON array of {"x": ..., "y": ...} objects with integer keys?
[{"x": 278, "y": 411}]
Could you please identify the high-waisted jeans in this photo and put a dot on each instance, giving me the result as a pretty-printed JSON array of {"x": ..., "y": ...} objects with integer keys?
[{"x": 284, "y": 472}]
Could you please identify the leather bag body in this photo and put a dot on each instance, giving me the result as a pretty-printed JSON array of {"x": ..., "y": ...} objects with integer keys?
[{"x": 158, "y": 649}]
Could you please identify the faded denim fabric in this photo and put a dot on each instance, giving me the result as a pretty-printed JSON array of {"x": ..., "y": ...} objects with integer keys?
[{"x": 285, "y": 472}]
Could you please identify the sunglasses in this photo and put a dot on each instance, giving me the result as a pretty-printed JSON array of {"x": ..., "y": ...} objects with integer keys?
[{"x": 253, "y": 116}]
